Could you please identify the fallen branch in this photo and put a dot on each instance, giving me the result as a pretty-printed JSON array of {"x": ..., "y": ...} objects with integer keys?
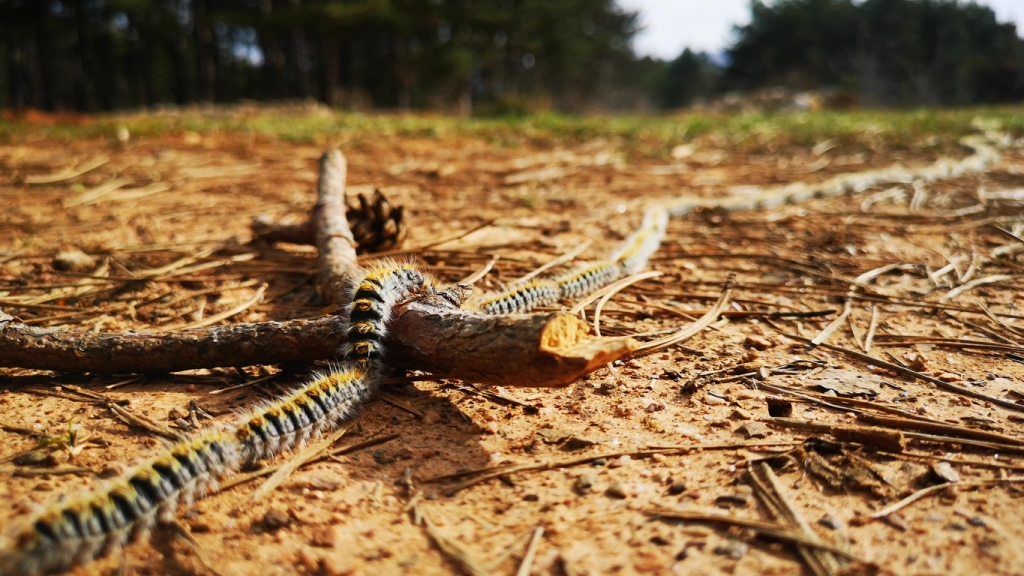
[
  {"x": 431, "y": 335},
  {"x": 336, "y": 248},
  {"x": 539, "y": 350},
  {"x": 519, "y": 350},
  {"x": 23, "y": 346}
]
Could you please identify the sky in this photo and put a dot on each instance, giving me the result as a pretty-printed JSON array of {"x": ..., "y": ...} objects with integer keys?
[{"x": 706, "y": 25}]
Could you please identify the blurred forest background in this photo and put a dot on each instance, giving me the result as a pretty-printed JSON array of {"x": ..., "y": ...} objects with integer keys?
[{"x": 494, "y": 56}]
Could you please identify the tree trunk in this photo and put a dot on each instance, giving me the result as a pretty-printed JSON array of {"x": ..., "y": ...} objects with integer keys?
[
  {"x": 206, "y": 68},
  {"x": 86, "y": 78},
  {"x": 330, "y": 71}
]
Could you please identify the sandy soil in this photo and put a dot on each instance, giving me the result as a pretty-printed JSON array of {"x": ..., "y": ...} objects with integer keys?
[{"x": 187, "y": 199}]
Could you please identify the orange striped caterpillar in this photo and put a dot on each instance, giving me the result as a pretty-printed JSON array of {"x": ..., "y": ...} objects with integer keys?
[{"x": 101, "y": 522}]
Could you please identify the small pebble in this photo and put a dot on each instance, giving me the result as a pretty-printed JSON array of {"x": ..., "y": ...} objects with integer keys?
[
  {"x": 615, "y": 490},
  {"x": 976, "y": 521},
  {"x": 738, "y": 414},
  {"x": 531, "y": 498},
  {"x": 431, "y": 417},
  {"x": 945, "y": 472},
  {"x": 713, "y": 400},
  {"x": 583, "y": 484},
  {"x": 31, "y": 457},
  {"x": 309, "y": 559},
  {"x": 677, "y": 488},
  {"x": 830, "y": 522},
  {"x": 621, "y": 461},
  {"x": 275, "y": 519},
  {"x": 733, "y": 549},
  {"x": 336, "y": 565},
  {"x": 73, "y": 260},
  {"x": 757, "y": 342},
  {"x": 657, "y": 457},
  {"x": 599, "y": 462},
  {"x": 731, "y": 501}
]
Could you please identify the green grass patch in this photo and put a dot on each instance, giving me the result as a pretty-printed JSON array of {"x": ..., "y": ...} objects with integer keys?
[{"x": 644, "y": 135}]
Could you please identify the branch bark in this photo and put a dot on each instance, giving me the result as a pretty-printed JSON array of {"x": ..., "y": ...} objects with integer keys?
[
  {"x": 336, "y": 264},
  {"x": 24, "y": 346},
  {"x": 539, "y": 350}
]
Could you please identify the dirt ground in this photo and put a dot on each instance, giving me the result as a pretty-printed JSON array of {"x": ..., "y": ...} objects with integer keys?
[{"x": 182, "y": 203}]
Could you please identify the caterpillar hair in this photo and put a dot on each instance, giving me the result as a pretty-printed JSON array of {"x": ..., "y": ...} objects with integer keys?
[
  {"x": 588, "y": 279},
  {"x": 522, "y": 299},
  {"x": 101, "y": 521},
  {"x": 320, "y": 405},
  {"x": 383, "y": 285},
  {"x": 638, "y": 248}
]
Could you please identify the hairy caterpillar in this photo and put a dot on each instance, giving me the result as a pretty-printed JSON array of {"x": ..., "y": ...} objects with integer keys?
[
  {"x": 383, "y": 285},
  {"x": 642, "y": 244},
  {"x": 588, "y": 279},
  {"x": 522, "y": 298},
  {"x": 77, "y": 531},
  {"x": 100, "y": 522},
  {"x": 104, "y": 520},
  {"x": 323, "y": 403}
]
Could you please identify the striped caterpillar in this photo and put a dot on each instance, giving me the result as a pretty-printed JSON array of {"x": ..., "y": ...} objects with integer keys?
[
  {"x": 633, "y": 254},
  {"x": 76, "y": 532},
  {"x": 329, "y": 399},
  {"x": 629, "y": 258},
  {"x": 588, "y": 279},
  {"x": 383, "y": 286},
  {"x": 522, "y": 298},
  {"x": 642, "y": 244},
  {"x": 102, "y": 521},
  {"x": 323, "y": 403}
]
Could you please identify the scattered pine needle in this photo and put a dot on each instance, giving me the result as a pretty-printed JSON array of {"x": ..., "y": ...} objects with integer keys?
[
  {"x": 310, "y": 452},
  {"x": 567, "y": 257}
]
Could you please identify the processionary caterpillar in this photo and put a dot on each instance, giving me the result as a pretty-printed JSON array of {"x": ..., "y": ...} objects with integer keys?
[
  {"x": 629, "y": 258},
  {"x": 76, "y": 531},
  {"x": 383, "y": 285},
  {"x": 522, "y": 298},
  {"x": 101, "y": 521}
]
